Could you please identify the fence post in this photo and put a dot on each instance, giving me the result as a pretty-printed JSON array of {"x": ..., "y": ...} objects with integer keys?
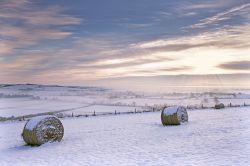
[
  {"x": 72, "y": 114},
  {"x": 115, "y": 112}
]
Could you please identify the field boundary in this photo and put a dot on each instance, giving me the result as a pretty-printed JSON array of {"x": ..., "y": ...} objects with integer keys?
[{"x": 145, "y": 109}]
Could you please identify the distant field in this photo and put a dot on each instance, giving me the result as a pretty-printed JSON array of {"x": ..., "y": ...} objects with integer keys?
[{"x": 29, "y": 99}]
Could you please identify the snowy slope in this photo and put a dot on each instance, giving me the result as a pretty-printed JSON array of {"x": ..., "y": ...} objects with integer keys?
[
  {"x": 26, "y": 99},
  {"x": 212, "y": 137}
]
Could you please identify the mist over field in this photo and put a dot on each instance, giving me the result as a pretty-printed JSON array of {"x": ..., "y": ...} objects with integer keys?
[{"x": 178, "y": 83}]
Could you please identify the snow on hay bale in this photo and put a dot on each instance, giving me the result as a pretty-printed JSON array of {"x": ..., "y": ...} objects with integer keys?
[
  {"x": 42, "y": 129},
  {"x": 174, "y": 115},
  {"x": 219, "y": 106}
]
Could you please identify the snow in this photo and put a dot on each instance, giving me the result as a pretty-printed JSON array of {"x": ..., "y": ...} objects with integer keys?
[
  {"x": 21, "y": 107},
  {"x": 212, "y": 137},
  {"x": 32, "y": 123},
  {"x": 170, "y": 110},
  {"x": 104, "y": 109},
  {"x": 24, "y": 100}
]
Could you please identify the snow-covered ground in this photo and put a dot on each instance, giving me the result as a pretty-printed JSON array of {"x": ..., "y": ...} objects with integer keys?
[
  {"x": 212, "y": 137},
  {"x": 29, "y": 99}
]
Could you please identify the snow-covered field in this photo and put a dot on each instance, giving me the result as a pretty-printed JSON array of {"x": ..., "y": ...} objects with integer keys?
[
  {"x": 212, "y": 137},
  {"x": 29, "y": 99}
]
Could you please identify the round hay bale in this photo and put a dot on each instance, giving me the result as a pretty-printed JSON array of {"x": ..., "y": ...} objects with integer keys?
[
  {"x": 42, "y": 129},
  {"x": 174, "y": 115},
  {"x": 219, "y": 106}
]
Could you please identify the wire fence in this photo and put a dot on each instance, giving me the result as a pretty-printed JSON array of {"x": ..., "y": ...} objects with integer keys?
[{"x": 145, "y": 109}]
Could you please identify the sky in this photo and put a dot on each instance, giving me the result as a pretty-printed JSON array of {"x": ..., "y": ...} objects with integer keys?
[{"x": 84, "y": 41}]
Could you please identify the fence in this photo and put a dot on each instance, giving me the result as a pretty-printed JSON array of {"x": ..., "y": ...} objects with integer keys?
[{"x": 147, "y": 109}]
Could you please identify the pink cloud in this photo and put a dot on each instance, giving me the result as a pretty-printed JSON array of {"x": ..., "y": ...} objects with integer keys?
[{"x": 36, "y": 24}]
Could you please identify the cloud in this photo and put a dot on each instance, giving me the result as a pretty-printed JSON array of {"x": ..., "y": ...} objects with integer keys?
[
  {"x": 137, "y": 25},
  {"x": 209, "y": 5},
  {"x": 26, "y": 28},
  {"x": 225, "y": 37},
  {"x": 190, "y": 14},
  {"x": 4, "y": 48},
  {"x": 24, "y": 24},
  {"x": 104, "y": 57},
  {"x": 101, "y": 55},
  {"x": 203, "y": 6},
  {"x": 242, "y": 11},
  {"x": 236, "y": 65},
  {"x": 13, "y": 3},
  {"x": 182, "y": 68},
  {"x": 162, "y": 70}
]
